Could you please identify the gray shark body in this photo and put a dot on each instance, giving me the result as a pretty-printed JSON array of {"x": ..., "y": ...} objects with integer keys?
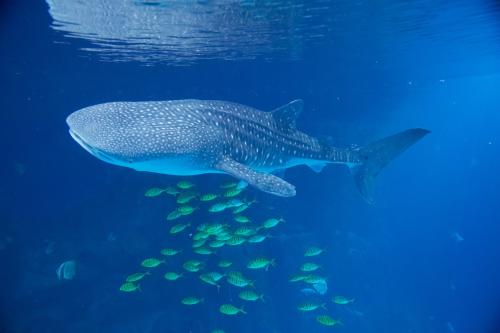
[{"x": 190, "y": 137}]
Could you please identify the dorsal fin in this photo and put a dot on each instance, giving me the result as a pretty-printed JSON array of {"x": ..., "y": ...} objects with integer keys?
[{"x": 286, "y": 116}]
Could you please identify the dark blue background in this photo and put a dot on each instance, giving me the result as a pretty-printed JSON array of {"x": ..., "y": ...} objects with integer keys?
[{"x": 396, "y": 258}]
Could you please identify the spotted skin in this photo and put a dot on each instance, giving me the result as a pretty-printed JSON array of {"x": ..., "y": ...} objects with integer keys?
[{"x": 189, "y": 137}]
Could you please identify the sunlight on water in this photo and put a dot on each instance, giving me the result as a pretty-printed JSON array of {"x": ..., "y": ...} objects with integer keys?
[{"x": 185, "y": 31}]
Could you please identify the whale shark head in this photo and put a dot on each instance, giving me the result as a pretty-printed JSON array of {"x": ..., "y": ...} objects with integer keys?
[{"x": 137, "y": 134}]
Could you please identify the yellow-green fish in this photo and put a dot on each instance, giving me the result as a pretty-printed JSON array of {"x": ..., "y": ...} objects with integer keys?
[
  {"x": 312, "y": 279},
  {"x": 217, "y": 330},
  {"x": 224, "y": 263},
  {"x": 216, "y": 276},
  {"x": 185, "y": 197},
  {"x": 151, "y": 262},
  {"x": 153, "y": 192},
  {"x": 185, "y": 184},
  {"x": 245, "y": 231},
  {"x": 223, "y": 236},
  {"x": 261, "y": 262},
  {"x": 136, "y": 276},
  {"x": 327, "y": 320},
  {"x": 214, "y": 228},
  {"x": 228, "y": 185},
  {"x": 250, "y": 295},
  {"x": 309, "y": 267},
  {"x": 313, "y": 251},
  {"x": 257, "y": 238},
  {"x": 191, "y": 300},
  {"x": 170, "y": 252},
  {"x": 186, "y": 209},
  {"x": 271, "y": 223},
  {"x": 342, "y": 300},
  {"x": 215, "y": 244},
  {"x": 198, "y": 243},
  {"x": 235, "y": 240},
  {"x": 309, "y": 306},
  {"x": 172, "y": 276},
  {"x": 238, "y": 280},
  {"x": 230, "y": 310},
  {"x": 179, "y": 227},
  {"x": 200, "y": 235},
  {"x": 203, "y": 250},
  {"x": 171, "y": 190},
  {"x": 218, "y": 207},
  {"x": 208, "y": 197},
  {"x": 173, "y": 215},
  {"x": 207, "y": 278},
  {"x": 129, "y": 287},
  {"x": 297, "y": 278},
  {"x": 192, "y": 266},
  {"x": 232, "y": 192},
  {"x": 241, "y": 219}
]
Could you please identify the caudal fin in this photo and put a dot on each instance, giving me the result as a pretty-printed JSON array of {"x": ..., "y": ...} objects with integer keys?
[{"x": 377, "y": 155}]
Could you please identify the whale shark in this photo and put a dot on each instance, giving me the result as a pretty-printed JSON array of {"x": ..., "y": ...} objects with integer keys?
[{"x": 192, "y": 137}]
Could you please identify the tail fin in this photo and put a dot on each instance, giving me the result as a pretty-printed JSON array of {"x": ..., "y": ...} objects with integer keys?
[{"x": 377, "y": 155}]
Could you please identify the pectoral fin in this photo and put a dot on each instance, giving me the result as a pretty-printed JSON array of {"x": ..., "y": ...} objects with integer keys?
[{"x": 263, "y": 181}]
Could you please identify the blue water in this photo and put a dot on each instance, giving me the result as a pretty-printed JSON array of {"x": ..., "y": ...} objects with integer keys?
[{"x": 365, "y": 71}]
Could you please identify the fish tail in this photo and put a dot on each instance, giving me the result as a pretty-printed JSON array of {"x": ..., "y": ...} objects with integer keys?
[
  {"x": 366, "y": 162},
  {"x": 323, "y": 306},
  {"x": 262, "y": 298},
  {"x": 242, "y": 310}
]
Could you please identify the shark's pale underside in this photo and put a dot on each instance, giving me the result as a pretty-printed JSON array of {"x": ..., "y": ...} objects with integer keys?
[{"x": 190, "y": 137}]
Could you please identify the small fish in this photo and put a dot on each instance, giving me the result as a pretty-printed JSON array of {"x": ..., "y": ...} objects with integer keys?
[
  {"x": 179, "y": 227},
  {"x": 235, "y": 202},
  {"x": 223, "y": 236},
  {"x": 313, "y": 251},
  {"x": 321, "y": 287},
  {"x": 309, "y": 267},
  {"x": 198, "y": 243},
  {"x": 224, "y": 264},
  {"x": 191, "y": 300},
  {"x": 185, "y": 197},
  {"x": 297, "y": 278},
  {"x": 457, "y": 237},
  {"x": 129, "y": 287},
  {"x": 172, "y": 276},
  {"x": 261, "y": 262},
  {"x": 230, "y": 310},
  {"x": 173, "y": 215},
  {"x": 216, "y": 276},
  {"x": 238, "y": 280},
  {"x": 218, "y": 207},
  {"x": 241, "y": 219},
  {"x": 171, "y": 190},
  {"x": 250, "y": 295},
  {"x": 258, "y": 238},
  {"x": 185, "y": 184},
  {"x": 207, "y": 278},
  {"x": 200, "y": 235},
  {"x": 312, "y": 279},
  {"x": 208, "y": 197},
  {"x": 203, "y": 250},
  {"x": 186, "y": 209},
  {"x": 228, "y": 185},
  {"x": 136, "y": 276},
  {"x": 217, "y": 243},
  {"x": 214, "y": 228},
  {"x": 342, "y": 300},
  {"x": 153, "y": 192},
  {"x": 271, "y": 223},
  {"x": 308, "y": 291},
  {"x": 151, "y": 262},
  {"x": 66, "y": 270},
  {"x": 192, "y": 266},
  {"x": 309, "y": 306},
  {"x": 235, "y": 241},
  {"x": 245, "y": 231},
  {"x": 327, "y": 320},
  {"x": 217, "y": 330},
  {"x": 170, "y": 252},
  {"x": 243, "y": 206},
  {"x": 232, "y": 192}
]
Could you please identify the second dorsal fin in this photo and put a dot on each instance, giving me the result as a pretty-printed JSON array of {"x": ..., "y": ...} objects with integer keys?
[{"x": 286, "y": 116}]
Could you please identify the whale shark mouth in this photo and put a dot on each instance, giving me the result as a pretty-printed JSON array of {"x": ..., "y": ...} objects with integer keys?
[{"x": 92, "y": 150}]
